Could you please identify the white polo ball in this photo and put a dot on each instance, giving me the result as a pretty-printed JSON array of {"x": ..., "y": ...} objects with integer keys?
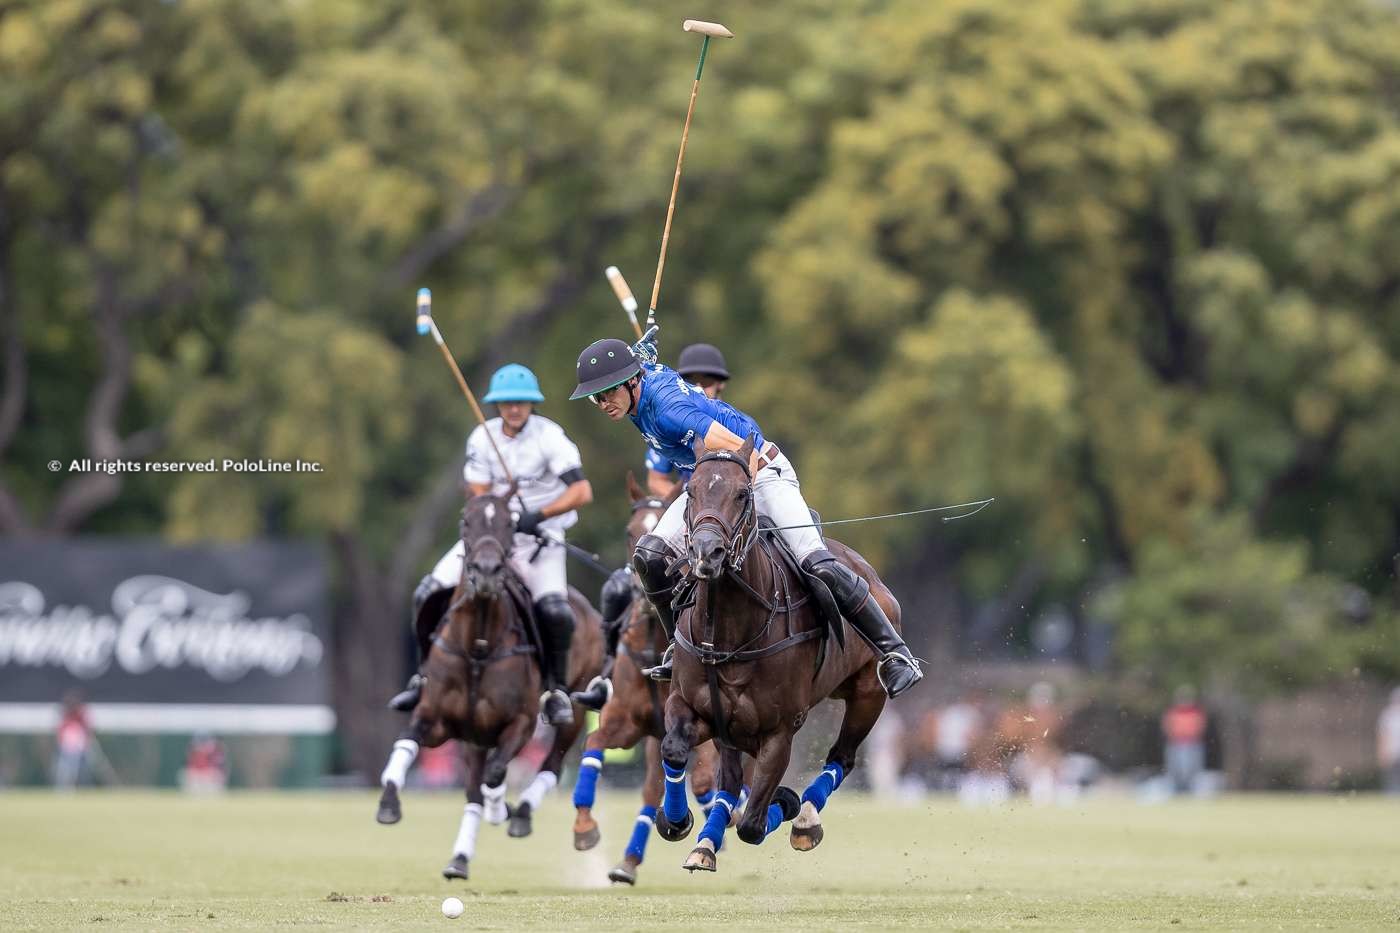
[{"x": 452, "y": 908}]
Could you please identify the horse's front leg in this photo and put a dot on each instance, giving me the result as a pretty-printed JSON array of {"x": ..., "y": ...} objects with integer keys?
[
  {"x": 493, "y": 776},
  {"x": 726, "y": 801},
  {"x": 683, "y": 732},
  {"x": 769, "y": 804},
  {"x": 401, "y": 758}
]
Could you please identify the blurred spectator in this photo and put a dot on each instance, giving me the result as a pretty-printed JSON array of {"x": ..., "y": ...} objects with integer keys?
[
  {"x": 441, "y": 766},
  {"x": 206, "y": 769},
  {"x": 958, "y": 726},
  {"x": 1388, "y": 744},
  {"x": 75, "y": 742},
  {"x": 1184, "y": 731},
  {"x": 885, "y": 754}
]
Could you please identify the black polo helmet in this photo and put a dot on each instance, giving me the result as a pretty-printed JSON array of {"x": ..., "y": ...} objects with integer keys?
[
  {"x": 702, "y": 359},
  {"x": 603, "y": 365}
]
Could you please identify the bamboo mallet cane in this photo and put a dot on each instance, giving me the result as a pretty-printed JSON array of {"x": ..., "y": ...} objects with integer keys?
[
  {"x": 709, "y": 31},
  {"x": 426, "y": 325}
]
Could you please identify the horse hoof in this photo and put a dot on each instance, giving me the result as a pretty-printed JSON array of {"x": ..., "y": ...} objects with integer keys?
[
  {"x": 520, "y": 822},
  {"x": 456, "y": 869},
  {"x": 583, "y": 841},
  {"x": 787, "y": 800},
  {"x": 389, "y": 810},
  {"x": 701, "y": 858},
  {"x": 673, "y": 832},
  {"x": 625, "y": 872},
  {"x": 807, "y": 829}
]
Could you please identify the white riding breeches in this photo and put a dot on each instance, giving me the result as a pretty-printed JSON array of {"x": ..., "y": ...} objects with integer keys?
[
  {"x": 777, "y": 495},
  {"x": 543, "y": 576}
]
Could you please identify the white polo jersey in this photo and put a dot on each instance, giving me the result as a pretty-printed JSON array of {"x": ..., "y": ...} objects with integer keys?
[{"x": 538, "y": 456}]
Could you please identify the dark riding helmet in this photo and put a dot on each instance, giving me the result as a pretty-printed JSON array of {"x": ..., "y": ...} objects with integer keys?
[
  {"x": 603, "y": 365},
  {"x": 702, "y": 359}
]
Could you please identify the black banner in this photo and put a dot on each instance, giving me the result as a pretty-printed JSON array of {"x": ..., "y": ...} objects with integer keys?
[{"x": 141, "y": 622}]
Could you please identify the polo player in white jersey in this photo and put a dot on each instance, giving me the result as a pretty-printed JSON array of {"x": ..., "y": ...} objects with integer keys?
[{"x": 550, "y": 484}]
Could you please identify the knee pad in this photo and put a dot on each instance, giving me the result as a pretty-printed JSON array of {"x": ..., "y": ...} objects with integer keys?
[
  {"x": 849, "y": 588},
  {"x": 651, "y": 559},
  {"x": 556, "y": 615},
  {"x": 616, "y": 597}
]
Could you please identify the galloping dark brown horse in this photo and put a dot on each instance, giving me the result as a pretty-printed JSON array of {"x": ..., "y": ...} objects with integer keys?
[
  {"x": 751, "y": 661},
  {"x": 635, "y": 713},
  {"x": 483, "y": 684}
]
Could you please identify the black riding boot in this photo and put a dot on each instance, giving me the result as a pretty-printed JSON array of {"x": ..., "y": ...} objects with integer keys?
[
  {"x": 556, "y": 622},
  {"x": 405, "y": 700},
  {"x": 616, "y": 599},
  {"x": 652, "y": 560},
  {"x": 898, "y": 671}
]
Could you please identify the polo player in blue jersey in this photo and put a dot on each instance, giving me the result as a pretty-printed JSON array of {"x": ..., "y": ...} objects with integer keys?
[
  {"x": 702, "y": 365},
  {"x": 673, "y": 415}
]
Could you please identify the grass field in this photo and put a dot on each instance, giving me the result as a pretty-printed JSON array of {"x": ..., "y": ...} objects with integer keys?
[{"x": 136, "y": 860}]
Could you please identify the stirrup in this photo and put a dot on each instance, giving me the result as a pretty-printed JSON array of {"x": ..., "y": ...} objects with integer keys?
[
  {"x": 555, "y": 708},
  {"x": 904, "y": 673},
  {"x": 596, "y": 695},
  {"x": 662, "y": 671},
  {"x": 406, "y": 699}
]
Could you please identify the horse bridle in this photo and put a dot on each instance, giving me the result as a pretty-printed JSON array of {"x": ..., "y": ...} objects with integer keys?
[
  {"x": 471, "y": 560},
  {"x": 738, "y": 537}
]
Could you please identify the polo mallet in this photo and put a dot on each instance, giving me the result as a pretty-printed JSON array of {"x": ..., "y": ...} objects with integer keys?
[
  {"x": 709, "y": 31},
  {"x": 623, "y": 291},
  {"x": 426, "y": 325}
]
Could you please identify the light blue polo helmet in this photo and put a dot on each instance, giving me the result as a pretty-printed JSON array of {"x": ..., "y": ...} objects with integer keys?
[{"x": 514, "y": 383}]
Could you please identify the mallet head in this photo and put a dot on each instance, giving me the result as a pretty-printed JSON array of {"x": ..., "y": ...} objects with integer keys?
[
  {"x": 425, "y": 311},
  {"x": 714, "y": 30}
]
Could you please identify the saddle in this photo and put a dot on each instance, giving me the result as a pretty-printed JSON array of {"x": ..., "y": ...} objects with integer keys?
[{"x": 820, "y": 593}]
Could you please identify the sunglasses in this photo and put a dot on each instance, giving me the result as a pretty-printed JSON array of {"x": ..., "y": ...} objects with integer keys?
[{"x": 597, "y": 398}]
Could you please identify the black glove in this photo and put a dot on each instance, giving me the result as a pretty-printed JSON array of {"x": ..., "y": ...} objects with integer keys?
[{"x": 528, "y": 523}]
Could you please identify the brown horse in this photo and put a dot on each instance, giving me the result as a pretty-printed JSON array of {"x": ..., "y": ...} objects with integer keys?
[
  {"x": 635, "y": 713},
  {"x": 751, "y": 662},
  {"x": 483, "y": 684}
]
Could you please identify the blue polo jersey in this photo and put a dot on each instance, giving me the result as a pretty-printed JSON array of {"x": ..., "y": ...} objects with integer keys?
[{"x": 673, "y": 414}]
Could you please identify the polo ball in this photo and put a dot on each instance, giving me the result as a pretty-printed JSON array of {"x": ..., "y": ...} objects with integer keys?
[{"x": 452, "y": 908}]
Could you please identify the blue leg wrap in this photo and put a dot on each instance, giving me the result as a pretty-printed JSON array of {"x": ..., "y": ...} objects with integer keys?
[
  {"x": 586, "y": 789},
  {"x": 706, "y": 800},
  {"x": 674, "y": 801},
  {"x": 641, "y": 830},
  {"x": 824, "y": 785},
  {"x": 718, "y": 820}
]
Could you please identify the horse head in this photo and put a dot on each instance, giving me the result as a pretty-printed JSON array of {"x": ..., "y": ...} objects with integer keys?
[
  {"x": 488, "y": 532},
  {"x": 720, "y": 513}
]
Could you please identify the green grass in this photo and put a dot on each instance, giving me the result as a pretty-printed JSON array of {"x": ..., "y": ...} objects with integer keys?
[{"x": 137, "y": 860}]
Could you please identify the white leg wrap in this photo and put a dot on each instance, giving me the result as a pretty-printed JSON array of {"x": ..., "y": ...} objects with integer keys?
[
  {"x": 495, "y": 808},
  {"x": 400, "y": 760},
  {"x": 542, "y": 784},
  {"x": 466, "y": 835}
]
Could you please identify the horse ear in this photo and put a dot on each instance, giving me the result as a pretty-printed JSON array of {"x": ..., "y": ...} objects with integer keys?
[
  {"x": 699, "y": 448},
  {"x": 634, "y": 491},
  {"x": 511, "y": 490},
  {"x": 747, "y": 450}
]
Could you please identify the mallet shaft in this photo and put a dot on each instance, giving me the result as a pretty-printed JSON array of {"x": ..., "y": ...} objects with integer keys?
[{"x": 675, "y": 186}]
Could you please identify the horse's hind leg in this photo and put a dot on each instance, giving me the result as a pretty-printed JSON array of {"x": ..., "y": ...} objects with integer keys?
[
  {"x": 614, "y": 731},
  {"x": 704, "y": 776},
  {"x": 464, "y": 848},
  {"x": 863, "y": 708},
  {"x": 546, "y": 778},
  {"x": 625, "y": 871},
  {"x": 493, "y": 774},
  {"x": 711, "y": 839}
]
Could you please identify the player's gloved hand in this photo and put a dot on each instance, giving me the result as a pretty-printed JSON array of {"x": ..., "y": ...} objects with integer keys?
[{"x": 528, "y": 522}]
